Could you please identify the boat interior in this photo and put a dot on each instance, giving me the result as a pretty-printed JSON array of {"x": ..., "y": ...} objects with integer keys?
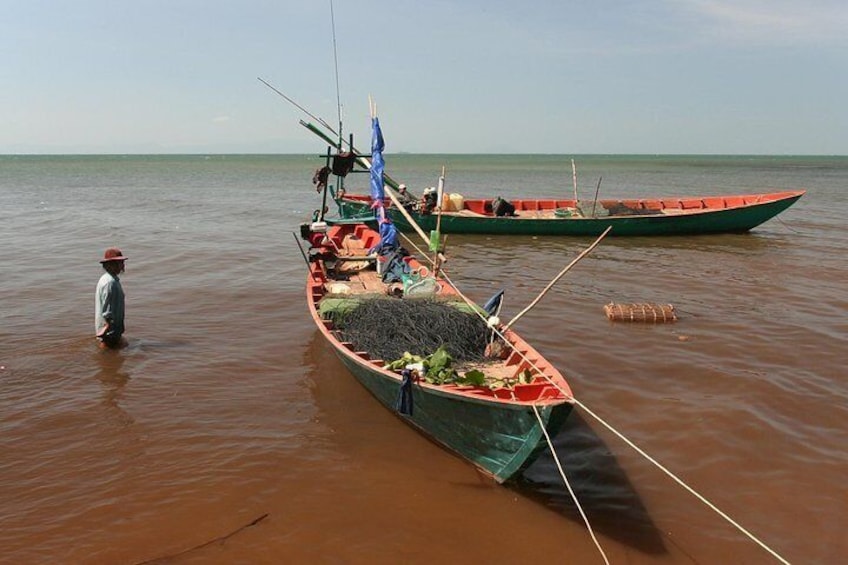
[{"x": 345, "y": 273}]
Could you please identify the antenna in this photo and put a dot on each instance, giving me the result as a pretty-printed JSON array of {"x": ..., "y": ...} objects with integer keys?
[{"x": 336, "y": 62}]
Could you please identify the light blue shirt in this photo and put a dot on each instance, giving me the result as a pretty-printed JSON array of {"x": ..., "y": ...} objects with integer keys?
[{"x": 109, "y": 306}]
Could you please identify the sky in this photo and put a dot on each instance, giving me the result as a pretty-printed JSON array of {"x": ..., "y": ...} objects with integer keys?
[{"x": 448, "y": 76}]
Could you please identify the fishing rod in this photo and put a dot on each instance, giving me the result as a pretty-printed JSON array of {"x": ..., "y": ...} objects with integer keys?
[
  {"x": 302, "y": 252},
  {"x": 301, "y": 108},
  {"x": 336, "y": 144}
]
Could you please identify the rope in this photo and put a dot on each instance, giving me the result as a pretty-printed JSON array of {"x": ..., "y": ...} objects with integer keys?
[
  {"x": 621, "y": 436},
  {"x": 568, "y": 486},
  {"x": 500, "y": 334},
  {"x": 787, "y": 226},
  {"x": 418, "y": 249},
  {"x": 638, "y": 450},
  {"x": 679, "y": 481}
]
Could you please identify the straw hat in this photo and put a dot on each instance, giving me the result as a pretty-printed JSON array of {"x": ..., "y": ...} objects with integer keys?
[{"x": 113, "y": 254}]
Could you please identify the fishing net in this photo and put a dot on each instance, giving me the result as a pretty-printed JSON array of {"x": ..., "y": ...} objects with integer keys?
[{"x": 386, "y": 328}]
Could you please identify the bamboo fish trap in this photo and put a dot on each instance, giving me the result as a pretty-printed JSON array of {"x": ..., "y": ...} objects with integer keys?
[{"x": 643, "y": 312}]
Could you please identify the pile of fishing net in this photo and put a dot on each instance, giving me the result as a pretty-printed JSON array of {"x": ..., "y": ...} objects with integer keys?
[{"x": 387, "y": 328}]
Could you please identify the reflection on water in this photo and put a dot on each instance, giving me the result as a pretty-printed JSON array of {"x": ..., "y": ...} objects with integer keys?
[{"x": 113, "y": 380}]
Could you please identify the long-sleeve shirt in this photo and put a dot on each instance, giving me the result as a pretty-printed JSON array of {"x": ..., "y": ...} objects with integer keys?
[{"x": 109, "y": 306}]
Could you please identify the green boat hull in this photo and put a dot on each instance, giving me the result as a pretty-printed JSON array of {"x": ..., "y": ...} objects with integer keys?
[
  {"x": 729, "y": 220},
  {"x": 500, "y": 438}
]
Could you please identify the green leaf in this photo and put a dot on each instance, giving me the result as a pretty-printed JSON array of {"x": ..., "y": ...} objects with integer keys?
[
  {"x": 407, "y": 359},
  {"x": 440, "y": 359},
  {"x": 474, "y": 377}
]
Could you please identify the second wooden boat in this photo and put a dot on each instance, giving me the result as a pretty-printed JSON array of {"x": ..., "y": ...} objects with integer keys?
[{"x": 631, "y": 217}]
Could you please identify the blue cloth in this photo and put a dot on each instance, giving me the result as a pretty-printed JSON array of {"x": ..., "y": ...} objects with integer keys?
[
  {"x": 389, "y": 239},
  {"x": 395, "y": 269},
  {"x": 377, "y": 164},
  {"x": 109, "y": 307},
  {"x": 494, "y": 303},
  {"x": 404, "y": 403}
]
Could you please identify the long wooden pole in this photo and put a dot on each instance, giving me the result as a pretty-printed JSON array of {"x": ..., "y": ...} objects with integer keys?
[
  {"x": 597, "y": 190},
  {"x": 559, "y": 276},
  {"x": 406, "y": 215},
  {"x": 574, "y": 180},
  {"x": 440, "y": 196}
]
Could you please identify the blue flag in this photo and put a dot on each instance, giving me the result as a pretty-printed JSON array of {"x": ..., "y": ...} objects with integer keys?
[{"x": 377, "y": 165}]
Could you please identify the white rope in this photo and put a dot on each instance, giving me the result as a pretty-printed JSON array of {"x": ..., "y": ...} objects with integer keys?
[
  {"x": 679, "y": 481},
  {"x": 418, "y": 249},
  {"x": 640, "y": 451},
  {"x": 621, "y": 436},
  {"x": 568, "y": 486}
]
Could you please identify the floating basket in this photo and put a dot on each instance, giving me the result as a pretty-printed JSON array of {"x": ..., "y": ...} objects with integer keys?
[{"x": 649, "y": 313}]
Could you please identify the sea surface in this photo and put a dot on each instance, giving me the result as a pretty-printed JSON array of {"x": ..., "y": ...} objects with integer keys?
[{"x": 228, "y": 432}]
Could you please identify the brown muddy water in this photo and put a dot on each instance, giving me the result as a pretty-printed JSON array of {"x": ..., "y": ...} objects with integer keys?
[{"x": 227, "y": 406}]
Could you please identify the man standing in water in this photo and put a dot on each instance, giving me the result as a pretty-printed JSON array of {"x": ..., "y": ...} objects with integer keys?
[{"x": 109, "y": 301}]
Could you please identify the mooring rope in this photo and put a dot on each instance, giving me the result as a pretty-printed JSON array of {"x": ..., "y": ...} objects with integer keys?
[
  {"x": 568, "y": 486},
  {"x": 680, "y": 481},
  {"x": 787, "y": 226},
  {"x": 620, "y": 435},
  {"x": 418, "y": 249}
]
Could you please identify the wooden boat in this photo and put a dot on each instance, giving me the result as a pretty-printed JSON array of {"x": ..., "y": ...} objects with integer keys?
[
  {"x": 631, "y": 217},
  {"x": 498, "y": 429}
]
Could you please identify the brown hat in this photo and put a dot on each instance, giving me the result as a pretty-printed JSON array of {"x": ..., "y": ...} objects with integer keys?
[{"x": 113, "y": 254}]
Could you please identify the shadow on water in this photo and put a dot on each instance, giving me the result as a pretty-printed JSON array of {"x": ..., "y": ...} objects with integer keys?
[{"x": 606, "y": 495}]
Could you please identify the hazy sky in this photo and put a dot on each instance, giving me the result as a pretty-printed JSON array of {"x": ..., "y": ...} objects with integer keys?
[{"x": 448, "y": 76}]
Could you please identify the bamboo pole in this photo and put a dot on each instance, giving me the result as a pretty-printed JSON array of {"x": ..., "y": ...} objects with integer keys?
[
  {"x": 440, "y": 196},
  {"x": 390, "y": 191},
  {"x": 595, "y": 201},
  {"x": 574, "y": 180},
  {"x": 559, "y": 276}
]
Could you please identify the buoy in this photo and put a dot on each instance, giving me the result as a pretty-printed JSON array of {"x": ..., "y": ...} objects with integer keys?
[{"x": 646, "y": 312}]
